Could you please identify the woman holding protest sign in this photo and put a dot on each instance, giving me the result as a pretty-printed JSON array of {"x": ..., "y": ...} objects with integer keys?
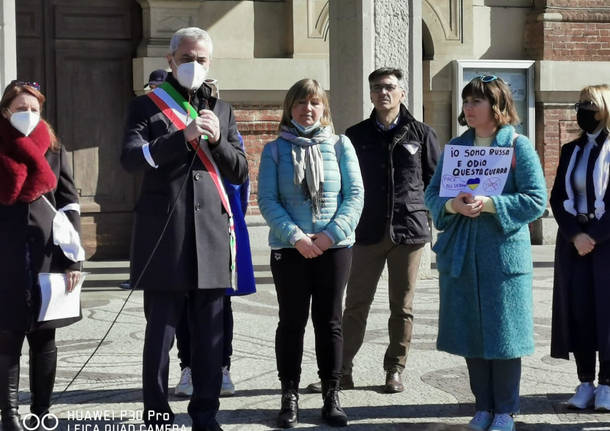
[{"x": 484, "y": 257}]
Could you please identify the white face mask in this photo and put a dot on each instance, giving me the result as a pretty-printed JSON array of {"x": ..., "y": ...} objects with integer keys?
[
  {"x": 25, "y": 121},
  {"x": 190, "y": 75},
  {"x": 305, "y": 129}
]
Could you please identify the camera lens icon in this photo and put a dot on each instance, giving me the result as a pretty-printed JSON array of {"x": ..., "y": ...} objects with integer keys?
[{"x": 48, "y": 422}]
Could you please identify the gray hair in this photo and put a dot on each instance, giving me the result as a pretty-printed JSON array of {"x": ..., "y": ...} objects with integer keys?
[{"x": 194, "y": 33}]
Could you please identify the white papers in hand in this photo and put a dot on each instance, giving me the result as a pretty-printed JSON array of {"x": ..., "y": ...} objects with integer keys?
[{"x": 56, "y": 302}]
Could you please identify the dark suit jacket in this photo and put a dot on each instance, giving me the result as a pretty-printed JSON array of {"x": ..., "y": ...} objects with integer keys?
[{"x": 194, "y": 252}]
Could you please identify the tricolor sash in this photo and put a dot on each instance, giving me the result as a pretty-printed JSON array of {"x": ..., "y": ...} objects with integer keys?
[{"x": 180, "y": 112}]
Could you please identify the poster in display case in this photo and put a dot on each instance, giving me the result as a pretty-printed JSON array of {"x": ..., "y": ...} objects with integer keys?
[{"x": 518, "y": 74}]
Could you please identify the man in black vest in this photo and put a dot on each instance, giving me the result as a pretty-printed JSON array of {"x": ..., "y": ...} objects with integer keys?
[
  {"x": 191, "y": 267},
  {"x": 397, "y": 156}
]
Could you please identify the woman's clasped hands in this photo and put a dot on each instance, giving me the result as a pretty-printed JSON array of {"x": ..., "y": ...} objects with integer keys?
[
  {"x": 467, "y": 205},
  {"x": 584, "y": 244},
  {"x": 313, "y": 245}
]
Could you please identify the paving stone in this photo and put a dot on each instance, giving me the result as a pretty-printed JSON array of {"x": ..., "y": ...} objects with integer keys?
[{"x": 107, "y": 394}]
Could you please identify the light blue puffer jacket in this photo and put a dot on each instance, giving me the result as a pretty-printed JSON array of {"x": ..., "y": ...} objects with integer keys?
[{"x": 288, "y": 211}]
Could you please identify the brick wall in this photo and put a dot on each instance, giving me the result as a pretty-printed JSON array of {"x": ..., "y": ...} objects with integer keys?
[
  {"x": 571, "y": 30},
  {"x": 560, "y": 127},
  {"x": 571, "y": 41},
  {"x": 258, "y": 125},
  {"x": 564, "y": 30}
]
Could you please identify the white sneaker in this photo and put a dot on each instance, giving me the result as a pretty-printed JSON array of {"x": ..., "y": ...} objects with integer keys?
[
  {"x": 227, "y": 388},
  {"x": 184, "y": 388},
  {"x": 602, "y": 398},
  {"x": 583, "y": 398}
]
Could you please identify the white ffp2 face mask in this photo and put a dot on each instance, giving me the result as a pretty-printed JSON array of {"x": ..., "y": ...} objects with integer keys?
[
  {"x": 191, "y": 75},
  {"x": 25, "y": 121}
]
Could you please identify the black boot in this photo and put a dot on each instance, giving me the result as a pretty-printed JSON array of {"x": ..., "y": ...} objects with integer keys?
[
  {"x": 9, "y": 392},
  {"x": 289, "y": 412},
  {"x": 42, "y": 380},
  {"x": 332, "y": 413}
]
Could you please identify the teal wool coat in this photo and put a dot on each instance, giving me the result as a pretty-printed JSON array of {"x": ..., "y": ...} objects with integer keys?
[{"x": 485, "y": 263}]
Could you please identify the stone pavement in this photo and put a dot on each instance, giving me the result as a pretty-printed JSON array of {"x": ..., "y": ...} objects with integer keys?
[{"x": 107, "y": 395}]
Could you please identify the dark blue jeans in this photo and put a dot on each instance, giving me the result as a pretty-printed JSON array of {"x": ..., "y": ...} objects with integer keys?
[{"x": 495, "y": 383}]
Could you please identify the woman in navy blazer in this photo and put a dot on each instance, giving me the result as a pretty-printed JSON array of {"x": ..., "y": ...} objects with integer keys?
[{"x": 580, "y": 200}]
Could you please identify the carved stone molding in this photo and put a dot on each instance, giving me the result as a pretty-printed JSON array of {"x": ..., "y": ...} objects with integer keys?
[
  {"x": 317, "y": 18},
  {"x": 161, "y": 18},
  {"x": 449, "y": 14}
]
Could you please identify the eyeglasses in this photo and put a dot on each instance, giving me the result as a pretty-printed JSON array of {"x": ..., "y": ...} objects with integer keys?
[
  {"x": 485, "y": 78},
  {"x": 32, "y": 84},
  {"x": 378, "y": 88},
  {"x": 587, "y": 105}
]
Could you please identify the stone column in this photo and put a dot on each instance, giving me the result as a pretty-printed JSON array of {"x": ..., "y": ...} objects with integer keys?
[
  {"x": 352, "y": 58},
  {"x": 366, "y": 35},
  {"x": 398, "y": 44},
  {"x": 8, "y": 43}
]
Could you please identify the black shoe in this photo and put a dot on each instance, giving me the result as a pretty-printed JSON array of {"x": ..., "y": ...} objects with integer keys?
[
  {"x": 289, "y": 412},
  {"x": 393, "y": 382},
  {"x": 332, "y": 413},
  {"x": 213, "y": 427},
  {"x": 38, "y": 422},
  {"x": 9, "y": 389},
  {"x": 347, "y": 382},
  {"x": 315, "y": 387}
]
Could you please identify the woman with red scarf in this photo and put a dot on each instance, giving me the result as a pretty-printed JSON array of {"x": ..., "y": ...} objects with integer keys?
[{"x": 39, "y": 224}]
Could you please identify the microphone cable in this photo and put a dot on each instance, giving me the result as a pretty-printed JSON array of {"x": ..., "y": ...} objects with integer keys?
[{"x": 135, "y": 286}]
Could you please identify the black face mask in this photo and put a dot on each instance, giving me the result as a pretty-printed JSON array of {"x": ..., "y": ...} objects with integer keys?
[{"x": 586, "y": 120}]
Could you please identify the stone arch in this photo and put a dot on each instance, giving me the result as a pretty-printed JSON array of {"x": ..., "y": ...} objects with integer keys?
[{"x": 427, "y": 42}]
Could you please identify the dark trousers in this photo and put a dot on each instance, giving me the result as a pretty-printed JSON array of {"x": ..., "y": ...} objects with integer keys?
[
  {"x": 586, "y": 305},
  {"x": 585, "y": 367},
  {"x": 495, "y": 383},
  {"x": 368, "y": 262},
  {"x": 183, "y": 337},
  {"x": 163, "y": 311},
  {"x": 297, "y": 282},
  {"x": 40, "y": 341}
]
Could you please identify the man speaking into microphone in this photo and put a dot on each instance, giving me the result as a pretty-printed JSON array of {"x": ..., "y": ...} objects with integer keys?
[{"x": 184, "y": 141}]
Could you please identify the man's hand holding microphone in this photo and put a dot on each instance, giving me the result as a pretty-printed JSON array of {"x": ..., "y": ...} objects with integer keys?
[{"x": 204, "y": 124}]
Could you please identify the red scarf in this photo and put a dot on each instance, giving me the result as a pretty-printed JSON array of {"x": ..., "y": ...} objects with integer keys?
[{"x": 25, "y": 173}]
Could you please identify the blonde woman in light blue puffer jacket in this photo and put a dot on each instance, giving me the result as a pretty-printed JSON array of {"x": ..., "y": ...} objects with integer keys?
[{"x": 311, "y": 195}]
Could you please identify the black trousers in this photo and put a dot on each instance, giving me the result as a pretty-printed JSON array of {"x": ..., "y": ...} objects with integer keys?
[
  {"x": 585, "y": 367},
  {"x": 585, "y": 304},
  {"x": 298, "y": 281},
  {"x": 40, "y": 341},
  {"x": 183, "y": 338},
  {"x": 163, "y": 311}
]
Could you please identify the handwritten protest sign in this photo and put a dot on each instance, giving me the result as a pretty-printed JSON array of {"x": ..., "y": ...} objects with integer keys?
[{"x": 476, "y": 170}]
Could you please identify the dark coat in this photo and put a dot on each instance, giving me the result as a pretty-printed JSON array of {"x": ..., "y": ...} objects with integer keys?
[
  {"x": 394, "y": 186},
  {"x": 566, "y": 256},
  {"x": 194, "y": 251},
  {"x": 31, "y": 224}
]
